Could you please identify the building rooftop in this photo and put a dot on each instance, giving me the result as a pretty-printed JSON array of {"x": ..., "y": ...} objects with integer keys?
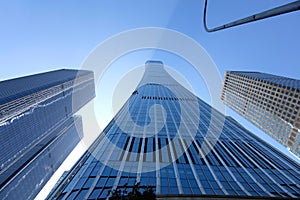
[
  {"x": 277, "y": 80},
  {"x": 157, "y": 62},
  {"x": 20, "y": 87}
]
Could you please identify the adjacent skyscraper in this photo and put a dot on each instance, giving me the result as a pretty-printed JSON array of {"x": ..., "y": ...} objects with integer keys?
[
  {"x": 270, "y": 102},
  {"x": 37, "y": 129},
  {"x": 167, "y": 139}
]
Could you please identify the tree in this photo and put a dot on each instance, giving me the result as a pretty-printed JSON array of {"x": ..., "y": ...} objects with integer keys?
[{"x": 135, "y": 194}]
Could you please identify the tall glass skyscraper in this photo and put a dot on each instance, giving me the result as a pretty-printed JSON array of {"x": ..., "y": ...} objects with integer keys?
[
  {"x": 270, "y": 102},
  {"x": 167, "y": 139},
  {"x": 37, "y": 129}
]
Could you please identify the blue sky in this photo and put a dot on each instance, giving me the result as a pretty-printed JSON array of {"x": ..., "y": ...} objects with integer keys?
[{"x": 39, "y": 36}]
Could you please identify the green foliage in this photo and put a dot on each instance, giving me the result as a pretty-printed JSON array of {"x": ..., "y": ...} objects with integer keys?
[{"x": 134, "y": 194}]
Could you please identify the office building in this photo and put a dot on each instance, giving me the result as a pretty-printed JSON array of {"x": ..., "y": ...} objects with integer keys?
[
  {"x": 37, "y": 127},
  {"x": 167, "y": 139},
  {"x": 270, "y": 102}
]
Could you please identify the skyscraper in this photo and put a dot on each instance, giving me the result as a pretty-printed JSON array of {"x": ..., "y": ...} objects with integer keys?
[
  {"x": 37, "y": 129},
  {"x": 167, "y": 139},
  {"x": 270, "y": 102}
]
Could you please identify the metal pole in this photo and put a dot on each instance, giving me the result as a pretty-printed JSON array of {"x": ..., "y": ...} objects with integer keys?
[{"x": 290, "y": 7}]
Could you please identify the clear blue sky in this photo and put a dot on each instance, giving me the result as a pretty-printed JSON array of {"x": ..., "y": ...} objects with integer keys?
[
  {"x": 38, "y": 36},
  {"x": 41, "y": 35}
]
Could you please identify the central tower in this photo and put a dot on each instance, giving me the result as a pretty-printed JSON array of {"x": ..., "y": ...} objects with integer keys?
[{"x": 167, "y": 139}]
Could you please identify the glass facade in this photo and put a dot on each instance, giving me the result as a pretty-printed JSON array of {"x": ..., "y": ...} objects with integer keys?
[
  {"x": 270, "y": 102},
  {"x": 167, "y": 139},
  {"x": 37, "y": 128}
]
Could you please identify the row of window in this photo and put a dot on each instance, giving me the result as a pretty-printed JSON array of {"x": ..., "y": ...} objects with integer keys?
[{"x": 169, "y": 98}]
